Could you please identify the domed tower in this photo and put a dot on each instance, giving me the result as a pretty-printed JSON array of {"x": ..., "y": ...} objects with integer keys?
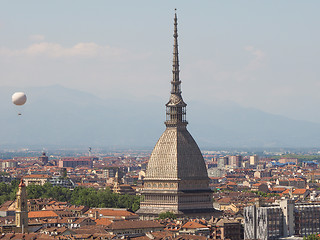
[
  {"x": 43, "y": 159},
  {"x": 176, "y": 177}
]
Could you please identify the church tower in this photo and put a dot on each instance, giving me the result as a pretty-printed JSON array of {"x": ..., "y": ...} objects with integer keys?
[
  {"x": 43, "y": 159},
  {"x": 176, "y": 177},
  {"x": 22, "y": 209}
]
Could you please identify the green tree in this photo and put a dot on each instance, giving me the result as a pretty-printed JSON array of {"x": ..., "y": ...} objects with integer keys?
[
  {"x": 167, "y": 214},
  {"x": 311, "y": 237},
  {"x": 8, "y": 191},
  {"x": 90, "y": 197},
  {"x": 35, "y": 191}
]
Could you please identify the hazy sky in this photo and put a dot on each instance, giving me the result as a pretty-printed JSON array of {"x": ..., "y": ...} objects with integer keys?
[{"x": 260, "y": 54}]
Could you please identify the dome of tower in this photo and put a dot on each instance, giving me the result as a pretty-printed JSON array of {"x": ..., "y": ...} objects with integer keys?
[{"x": 176, "y": 156}]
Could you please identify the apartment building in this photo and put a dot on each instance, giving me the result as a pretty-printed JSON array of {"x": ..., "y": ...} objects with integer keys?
[{"x": 283, "y": 219}]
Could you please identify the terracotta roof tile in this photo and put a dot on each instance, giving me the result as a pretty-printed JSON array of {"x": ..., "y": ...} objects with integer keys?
[
  {"x": 111, "y": 212},
  {"x": 299, "y": 191},
  {"x": 193, "y": 225},
  {"x": 42, "y": 214},
  {"x": 37, "y": 176},
  {"x": 134, "y": 224},
  {"x": 286, "y": 191},
  {"x": 103, "y": 221}
]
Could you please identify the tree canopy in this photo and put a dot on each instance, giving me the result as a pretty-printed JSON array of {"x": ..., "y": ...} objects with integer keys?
[
  {"x": 90, "y": 197},
  {"x": 166, "y": 215},
  {"x": 312, "y": 237}
]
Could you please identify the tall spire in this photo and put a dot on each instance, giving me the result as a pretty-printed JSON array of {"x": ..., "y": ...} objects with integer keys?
[
  {"x": 176, "y": 178},
  {"x": 176, "y": 107},
  {"x": 175, "y": 63}
]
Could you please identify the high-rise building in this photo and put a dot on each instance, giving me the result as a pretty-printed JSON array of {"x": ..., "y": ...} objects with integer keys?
[
  {"x": 21, "y": 209},
  {"x": 223, "y": 161},
  {"x": 235, "y": 161},
  {"x": 254, "y": 160},
  {"x": 176, "y": 177},
  {"x": 284, "y": 219}
]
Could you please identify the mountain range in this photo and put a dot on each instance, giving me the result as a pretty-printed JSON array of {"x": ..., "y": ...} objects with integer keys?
[{"x": 62, "y": 117}]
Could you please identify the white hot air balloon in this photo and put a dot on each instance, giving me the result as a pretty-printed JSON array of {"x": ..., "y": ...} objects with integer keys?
[{"x": 19, "y": 98}]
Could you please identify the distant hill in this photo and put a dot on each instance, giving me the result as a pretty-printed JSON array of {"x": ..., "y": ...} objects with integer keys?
[{"x": 57, "y": 116}]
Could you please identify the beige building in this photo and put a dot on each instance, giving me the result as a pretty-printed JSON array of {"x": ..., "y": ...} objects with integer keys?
[
  {"x": 176, "y": 177},
  {"x": 229, "y": 207},
  {"x": 262, "y": 174},
  {"x": 227, "y": 229},
  {"x": 288, "y": 160},
  {"x": 36, "y": 179},
  {"x": 254, "y": 160},
  {"x": 9, "y": 164},
  {"x": 293, "y": 182},
  {"x": 128, "y": 228},
  {"x": 235, "y": 161},
  {"x": 195, "y": 228},
  {"x": 120, "y": 188}
]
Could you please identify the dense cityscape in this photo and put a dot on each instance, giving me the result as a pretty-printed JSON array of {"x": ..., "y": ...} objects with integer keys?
[
  {"x": 94, "y": 196},
  {"x": 175, "y": 191}
]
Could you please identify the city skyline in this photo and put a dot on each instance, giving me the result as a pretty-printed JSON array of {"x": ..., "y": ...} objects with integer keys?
[{"x": 96, "y": 78}]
